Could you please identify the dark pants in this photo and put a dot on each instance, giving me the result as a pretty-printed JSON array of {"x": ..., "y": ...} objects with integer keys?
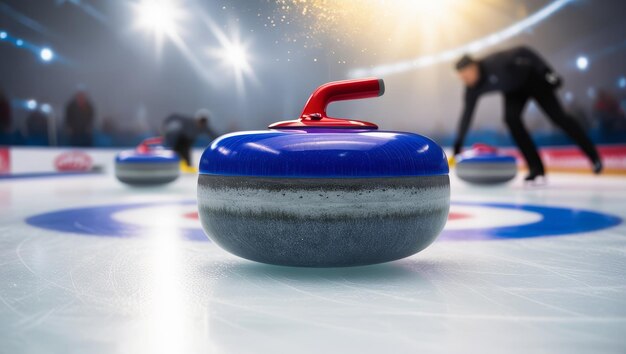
[
  {"x": 182, "y": 145},
  {"x": 544, "y": 95}
]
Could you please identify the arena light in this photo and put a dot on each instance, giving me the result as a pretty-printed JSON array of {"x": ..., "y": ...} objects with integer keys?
[
  {"x": 427, "y": 7},
  {"x": 582, "y": 63},
  {"x": 162, "y": 18},
  {"x": 475, "y": 46},
  {"x": 366, "y": 23},
  {"x": 235, "y": 55},
  {"x": 621, "y": 82},
  {"x": 31, "y": 104},
  {"x": 46, "y": 108},
  {"x": 46, "y": 54}
]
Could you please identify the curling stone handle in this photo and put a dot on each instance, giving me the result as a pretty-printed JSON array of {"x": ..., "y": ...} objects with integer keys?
[
  {"x": 314, "y": 112},
  {"x": 484, "y": 148},
  {"x": 145, "y": 145},
  {"x": 315, "y": 108}
]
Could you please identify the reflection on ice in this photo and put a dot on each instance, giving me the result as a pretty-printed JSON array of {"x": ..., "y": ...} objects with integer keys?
[{"x": 166, "y": 323}]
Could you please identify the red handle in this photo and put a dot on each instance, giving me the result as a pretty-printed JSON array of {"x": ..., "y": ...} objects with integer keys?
[
  {"x": 482, "y": 148},
  {"x": 314, "y": 112},
  {"x": 340, "y": 91},
  {"x": 144, "y": 147}
]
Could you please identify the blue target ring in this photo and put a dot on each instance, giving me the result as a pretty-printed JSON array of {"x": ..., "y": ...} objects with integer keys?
[
  {"x": 555, "y": 221},
  {"x": 99, "y": 221}
]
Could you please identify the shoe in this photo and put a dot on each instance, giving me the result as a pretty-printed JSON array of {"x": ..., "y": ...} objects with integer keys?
[
  {"x": 533, "y": 175},
  {"x": 597, "y": 166},
  {"x": 184, "y": 168}
]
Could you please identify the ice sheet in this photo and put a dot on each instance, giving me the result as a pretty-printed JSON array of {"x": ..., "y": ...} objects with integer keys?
[{"x": 163, "y": 293}]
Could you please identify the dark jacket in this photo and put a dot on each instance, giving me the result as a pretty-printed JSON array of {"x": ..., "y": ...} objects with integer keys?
[
  {"x": 5, "y": 113},
  {"x": 506, "y": 71},
  {"x": 79, "y": 116},
  {"x": 177, "y": 126}
]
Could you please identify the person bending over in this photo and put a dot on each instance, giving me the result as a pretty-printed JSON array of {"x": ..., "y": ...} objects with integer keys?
[
  {"x": 180, "y": 133},
  {"x": 520, "y": 75}
]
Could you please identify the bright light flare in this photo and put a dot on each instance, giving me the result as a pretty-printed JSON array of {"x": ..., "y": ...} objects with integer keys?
[
  {"x": 46, "y": 54},
  {"x": 582, "y": 63},
  {"x": 371, "y": 24},
  {"x": 471, "y": 47},
  {"x": 31, "y": 104},
  {"x": 46, "y": 108},
  {"x": 162, "y": 18},
  {"x": 233, "y": 54},
  {"x": 427, "y": 8}
]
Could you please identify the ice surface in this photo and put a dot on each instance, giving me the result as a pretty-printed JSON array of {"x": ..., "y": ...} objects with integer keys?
[{"x": 162, "y": 293}]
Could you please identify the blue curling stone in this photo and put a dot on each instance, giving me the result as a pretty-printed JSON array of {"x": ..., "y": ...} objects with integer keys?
[
  {"x": 322, "y": 191},
  {"x": 485, "y": 166},
  {"x": 152, "y": 167},
  {"x": 323, "y": 198}
]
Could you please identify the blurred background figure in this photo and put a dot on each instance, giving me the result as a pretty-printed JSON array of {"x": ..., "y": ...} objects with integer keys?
[
  {"x": 180, "y": 132},
  {"x": 5, "y": 119},
  {"x": 520, "y": 75},
  {"x": 577, "y": 111},
  {"x": 37, "y": 128},
  {"x": 106, "y": 135},
  {"x": 79, "y": 120},
  {"x": 608, "y": 114}
]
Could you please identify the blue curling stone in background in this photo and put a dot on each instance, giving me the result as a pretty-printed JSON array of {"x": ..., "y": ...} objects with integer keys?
[
  {"x": 483, "y": 164},
  {"x": 149, "y": 164}
]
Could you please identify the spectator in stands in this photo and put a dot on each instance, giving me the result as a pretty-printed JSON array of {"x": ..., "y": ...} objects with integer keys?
[
  {"x": 608, "y": 113},
  {"x": 107, "y": 134},
  {"x": 8, "y": 134},
  {"x": 79, "y": 120},
  {"x": 5, "y": 119},
  {"x": 37, "y": 128}
]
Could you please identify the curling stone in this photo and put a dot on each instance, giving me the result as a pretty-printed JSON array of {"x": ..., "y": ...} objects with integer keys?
[
  {"x": 483, "y": 164},
  {"x": 149, "y": 164},
  {"x": 324, "y": 192}
]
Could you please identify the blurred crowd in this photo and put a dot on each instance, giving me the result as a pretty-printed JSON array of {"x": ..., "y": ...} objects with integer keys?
[
  {"x": 30, "y": 124},
  {"x": 77, "y": 125},
  {"x": 609, "y": 114}
]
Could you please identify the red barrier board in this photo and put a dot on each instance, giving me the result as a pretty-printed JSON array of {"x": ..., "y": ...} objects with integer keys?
[
  {"x": 5, "y": 160},
  {"x": 571, "y": 159}
]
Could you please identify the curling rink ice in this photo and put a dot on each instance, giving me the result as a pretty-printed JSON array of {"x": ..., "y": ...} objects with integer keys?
[{"x": 88, "y": 265}]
